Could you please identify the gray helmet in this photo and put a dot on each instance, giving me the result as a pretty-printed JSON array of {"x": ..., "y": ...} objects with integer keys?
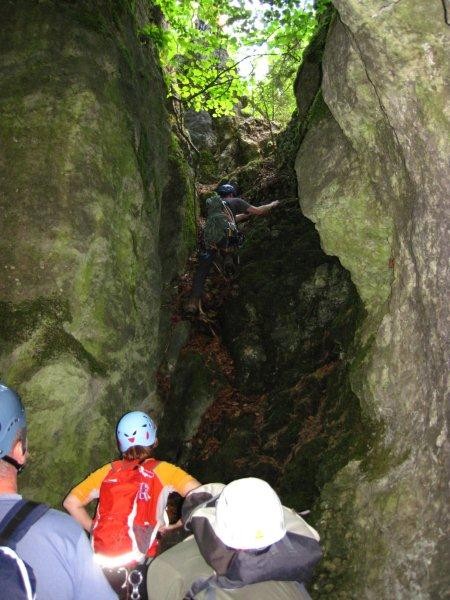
[
  {"x": 226, "y": 189},
  {"x": 12, "y": 419}
]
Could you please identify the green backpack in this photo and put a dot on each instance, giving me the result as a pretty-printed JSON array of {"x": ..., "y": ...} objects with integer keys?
[{"x": 218, "y": 228}]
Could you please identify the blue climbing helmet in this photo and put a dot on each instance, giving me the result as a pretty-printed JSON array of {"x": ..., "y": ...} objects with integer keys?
[
  {"x": 225, "y": 189},
  {"x": 12, "y": 419},
  {"x": 135, "y": 429}
]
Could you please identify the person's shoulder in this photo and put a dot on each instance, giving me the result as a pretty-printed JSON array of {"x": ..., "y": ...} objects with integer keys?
[
  {"x": 167, "y": 469},
  {"x": 238, "y": 203},
  {"x": 166, "y": 464},
  {"x": 61, "y": 523},
  {"x": 264, "y": 590},
  {"x": 162, "y": 465},
  {"x": 179, "y": 554},
  {"x": 60, "y": 517},
  {"x": 53, "y": 519}
]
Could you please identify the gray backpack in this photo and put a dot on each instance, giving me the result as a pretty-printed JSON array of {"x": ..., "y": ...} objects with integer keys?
[{"x": 218, "y": 230}]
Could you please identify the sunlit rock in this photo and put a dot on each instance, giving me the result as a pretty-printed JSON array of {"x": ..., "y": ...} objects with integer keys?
[{"x": 373, "y": 175}]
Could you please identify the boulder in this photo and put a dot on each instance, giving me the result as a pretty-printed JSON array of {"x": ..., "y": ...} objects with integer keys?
[
  {"x": 373, "y": 176},
  {"x": 93, "y": 185}
]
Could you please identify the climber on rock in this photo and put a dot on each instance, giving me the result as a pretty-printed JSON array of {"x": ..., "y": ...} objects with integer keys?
[
  {"x": 132, "y": 495},
  {"x": 245, "y": 544},
  {"x": 221, "y": 235},
  {"x": 240, "y": 208}
]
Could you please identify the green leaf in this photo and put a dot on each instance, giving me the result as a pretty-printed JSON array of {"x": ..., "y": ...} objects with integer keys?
[{"x": 199, "y": 55}]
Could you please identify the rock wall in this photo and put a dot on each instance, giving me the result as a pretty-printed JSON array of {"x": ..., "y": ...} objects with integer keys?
[
  {"x": 372, "y": 173},
  {"x": 288, "y": 327},
  {"x": 97, "y": 215},
  {"x": 226, "y": 143},
  {"x": 94, "y": 186}
]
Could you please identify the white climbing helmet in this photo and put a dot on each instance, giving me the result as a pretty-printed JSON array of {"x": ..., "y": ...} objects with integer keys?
[
  {"x": 249, "y": 515},
  {"x": 135, "y": 429}
]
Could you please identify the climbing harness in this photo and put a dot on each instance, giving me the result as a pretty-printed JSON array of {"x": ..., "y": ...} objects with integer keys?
[{"x": 135, "y": 579}]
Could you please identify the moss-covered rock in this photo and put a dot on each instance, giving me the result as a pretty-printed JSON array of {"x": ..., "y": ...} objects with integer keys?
[
  {"x": 225, "y": 144},
  {"x": 290, "y": 416},
  {"x": 194, "y": 384},
  {"x": 290, "y": 293},
  {"x": 373, "y": 176},
  {"x": 341, "y": 203},
  {"x": 93, "y": 187}
]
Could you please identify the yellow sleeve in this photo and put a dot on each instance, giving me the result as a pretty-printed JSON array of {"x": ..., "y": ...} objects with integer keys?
[
  {"x": 172, "y": 476},
  {"x": 89, "y": 488}
]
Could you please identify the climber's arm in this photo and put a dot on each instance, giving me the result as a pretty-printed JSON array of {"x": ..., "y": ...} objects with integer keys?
[
  {"x": 255, "y": 211},
  {"x": 261, "y": 210},
  {"x": 242, "y": 217},
  {"x": 75, "y": 507}
]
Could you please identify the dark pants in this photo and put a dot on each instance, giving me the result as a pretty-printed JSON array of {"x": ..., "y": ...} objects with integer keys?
[
  {"x": 129, "y": 583},
  {"x": 228, "y": 258},
  {"x": 205, "y": 261}
]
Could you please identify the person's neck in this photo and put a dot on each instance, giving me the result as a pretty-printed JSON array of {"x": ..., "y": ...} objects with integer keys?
[{"x": 8, "y": 484}]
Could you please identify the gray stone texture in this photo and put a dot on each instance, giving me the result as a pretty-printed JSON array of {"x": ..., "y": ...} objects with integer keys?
[
  {"x": 373, "y": 176},
  {"x": 227, "y": 143},
  {"x": 93, "y": 188},
  {"x": 283, "y": 409}
]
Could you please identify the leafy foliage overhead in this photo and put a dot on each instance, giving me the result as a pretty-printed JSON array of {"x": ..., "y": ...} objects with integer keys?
[{"x": 201, "y": 44}]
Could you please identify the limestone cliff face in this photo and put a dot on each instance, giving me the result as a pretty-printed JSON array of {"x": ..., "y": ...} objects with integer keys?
[
  {"x": 282, "y": 408},
  {"x": 225, "y": 144},
  {"x": 378, "y": 128},
  {"x": 93, "y": 189},
  {"x": 97, "y": 216}
]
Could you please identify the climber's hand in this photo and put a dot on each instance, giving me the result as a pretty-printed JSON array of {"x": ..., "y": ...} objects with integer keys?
[{"x": 165, "y": 528}]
